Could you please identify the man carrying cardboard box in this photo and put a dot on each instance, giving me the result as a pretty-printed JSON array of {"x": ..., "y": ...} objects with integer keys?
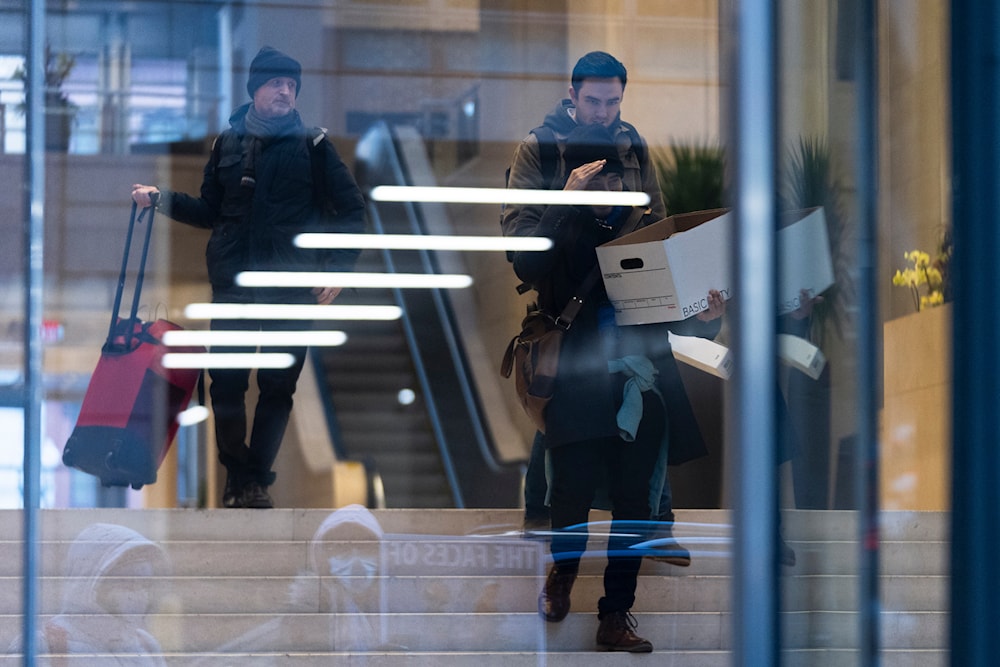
[
  {"x": 597, "y": 88},
  {"x": 618, "y": 407}
]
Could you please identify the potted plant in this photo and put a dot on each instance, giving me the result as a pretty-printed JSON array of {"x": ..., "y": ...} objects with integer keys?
[
  {"x": 691, "y": 177},
  {"x": 927, "y": 277},
  {"x": 60, "y": 112}
]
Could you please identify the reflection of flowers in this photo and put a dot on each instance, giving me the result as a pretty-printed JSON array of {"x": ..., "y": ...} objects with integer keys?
[{"x": 926, "y": 278}]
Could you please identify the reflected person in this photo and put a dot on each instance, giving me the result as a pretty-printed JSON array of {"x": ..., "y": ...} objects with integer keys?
[
  {"x": 268, "y": 179},
  {"x": 108, "y": 591},
  {"x": 618, "y": 399}
]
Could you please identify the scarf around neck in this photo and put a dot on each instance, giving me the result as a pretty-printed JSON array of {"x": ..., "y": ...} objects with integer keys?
[
  {"x": 260, "y": 130},
  {"x": 266, "y": 128}
]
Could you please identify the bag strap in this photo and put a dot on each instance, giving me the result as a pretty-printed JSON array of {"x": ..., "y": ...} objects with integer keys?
[
  {"x": 572, "y": 309},
  {"x": 317, "y": 160}
]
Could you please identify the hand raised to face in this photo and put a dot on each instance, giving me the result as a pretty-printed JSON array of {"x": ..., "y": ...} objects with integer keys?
[{"x": 580, "y": 177}]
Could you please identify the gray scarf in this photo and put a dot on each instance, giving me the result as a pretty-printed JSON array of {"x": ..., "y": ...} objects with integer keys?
[
  {"x": 266, "y": 128},
  {"x": 259, "y": 130}
]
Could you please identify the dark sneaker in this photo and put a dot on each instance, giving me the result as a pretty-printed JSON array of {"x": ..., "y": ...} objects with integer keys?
[
  {"x": 255, "y": 496},
  {"x": 553, "y": 602},
  {"x": 669, "y": 551},
  {"x": 617, "y": 633},
  {"x": 232, "y": 496}
]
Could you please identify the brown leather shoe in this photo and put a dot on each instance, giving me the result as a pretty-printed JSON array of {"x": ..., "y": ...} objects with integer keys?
[
  {"x": 617, "y": 633},
  {"x": 553, "y": 602}
]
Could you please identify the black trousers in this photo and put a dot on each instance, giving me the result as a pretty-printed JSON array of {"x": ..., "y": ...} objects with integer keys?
[
  {"x": 252, "y": 461},
  {"x": 578, "y": 470}
]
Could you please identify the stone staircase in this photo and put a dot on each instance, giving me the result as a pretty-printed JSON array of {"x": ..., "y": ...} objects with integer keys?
[{"x": 443, "y": 587}]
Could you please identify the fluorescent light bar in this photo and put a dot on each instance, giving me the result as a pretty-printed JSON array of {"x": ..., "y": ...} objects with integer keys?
[
  {"x": 412, "y": 193},
  {"x": 278, "y": 311},
  {"x": 423, "y": 242},
  {"x": 193, "y": 415},
  {"x": 350, "y": 279},
  {"x": 182, "y": 338},
  {"x": 227, "y": 360}
]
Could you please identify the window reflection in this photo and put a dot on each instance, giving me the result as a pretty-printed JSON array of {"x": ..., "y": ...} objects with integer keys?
[{"x": 110, "y": 586}]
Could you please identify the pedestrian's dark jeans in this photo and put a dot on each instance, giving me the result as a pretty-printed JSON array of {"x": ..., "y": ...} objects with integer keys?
[
  {"x": 578, "y": 469},
  {"x": 535, "y": 485},
  {"x": 274, "y": 404}
]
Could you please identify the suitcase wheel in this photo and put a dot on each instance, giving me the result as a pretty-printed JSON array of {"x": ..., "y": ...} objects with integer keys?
[{"x": 136, "y": 485}]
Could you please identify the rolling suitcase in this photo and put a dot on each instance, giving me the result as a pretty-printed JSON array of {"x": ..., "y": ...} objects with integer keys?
[{"x": 129, "y": 414}]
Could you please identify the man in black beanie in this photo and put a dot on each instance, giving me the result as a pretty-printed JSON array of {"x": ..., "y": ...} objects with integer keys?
[{"x": 268, "y": 179}]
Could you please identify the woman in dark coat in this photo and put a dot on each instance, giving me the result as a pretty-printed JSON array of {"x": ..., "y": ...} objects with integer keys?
[{"x": 586, "y": 418}]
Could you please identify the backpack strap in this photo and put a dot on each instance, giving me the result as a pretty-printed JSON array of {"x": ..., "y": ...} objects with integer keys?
[
  {"x": 317, "y": 160},
  {"x": 638, "y": 147},
  {"x": 548, "y": 154}
]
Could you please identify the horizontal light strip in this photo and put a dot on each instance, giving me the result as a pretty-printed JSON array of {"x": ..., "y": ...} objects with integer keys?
[
  {"x": 193, "y": 415},
  {"x": 414, "y": 193},
  {"x": 182, "y": 338},
  {"x": 231, "y": 360},
  {"x": 424, "y": 242},
  {"x": 278, "y": 311},
  {"x": 349, "y": 279}
]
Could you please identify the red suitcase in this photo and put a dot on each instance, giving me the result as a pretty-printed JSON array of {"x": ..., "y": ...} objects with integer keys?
[{"x": 129, "y": 414}]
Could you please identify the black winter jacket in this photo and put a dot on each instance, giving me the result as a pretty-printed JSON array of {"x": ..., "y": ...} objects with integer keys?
[{"x": 254, "y": 228}]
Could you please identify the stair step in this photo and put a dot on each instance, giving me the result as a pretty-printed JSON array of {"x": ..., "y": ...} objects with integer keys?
[
  {"x": 666, "y": 657},
  {"x": 487, "y": 632},
  {"x": 207, "y": 592},
  {"x": 239, "y": 585},
  {"x": 832, "y": 529}
]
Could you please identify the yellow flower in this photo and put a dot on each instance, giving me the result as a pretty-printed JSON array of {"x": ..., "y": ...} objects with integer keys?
[
  {"x": 923, "y": 272},
  {"x": 935, "y": 298}
]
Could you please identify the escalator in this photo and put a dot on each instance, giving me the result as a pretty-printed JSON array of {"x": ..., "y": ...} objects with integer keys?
[{"x": 401, "y": 394}]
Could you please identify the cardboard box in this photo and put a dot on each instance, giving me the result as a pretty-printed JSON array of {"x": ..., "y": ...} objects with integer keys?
[
  {"x": 805, "y": 262},
  {"x": 801, "y": 355},
  {"x": 663, "y": 272},
  {"x": 704, "y": 354}
]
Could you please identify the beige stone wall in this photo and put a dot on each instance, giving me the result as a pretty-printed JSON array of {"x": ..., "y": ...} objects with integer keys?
[
  {"x": 915, "y": 183},
  {"x": 914, "y": 205}
]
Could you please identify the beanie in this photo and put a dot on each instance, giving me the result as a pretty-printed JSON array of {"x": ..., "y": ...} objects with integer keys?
[
  {"x": 589, "y": 143},
  {"x": 269, "y": 63}
]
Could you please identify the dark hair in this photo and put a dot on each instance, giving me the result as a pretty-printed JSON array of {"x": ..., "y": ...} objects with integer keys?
[
  {"x": 590, "y": 143},
  {"x": 598, "y": 65}
]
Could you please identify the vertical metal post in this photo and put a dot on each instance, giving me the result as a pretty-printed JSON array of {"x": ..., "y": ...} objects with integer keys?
[
  {"x": 867, "y": 397},
  {"x": 975, "y": 541},
  {"x": 34, "y": 208},
  {"x": 225, "y": 99},
  {"x": 751, "y": 400}
]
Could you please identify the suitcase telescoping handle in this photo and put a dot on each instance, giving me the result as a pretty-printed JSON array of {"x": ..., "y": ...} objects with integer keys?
[{"x": 109, "y": 344}]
